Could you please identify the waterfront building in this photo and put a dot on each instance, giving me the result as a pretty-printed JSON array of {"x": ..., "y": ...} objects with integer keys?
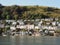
[
  {"x": 37, "y": 27},
  {"x": 30, "y": 26}
]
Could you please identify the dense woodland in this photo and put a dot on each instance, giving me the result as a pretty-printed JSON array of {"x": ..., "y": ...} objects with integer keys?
[{"x": 28, "y": 12}]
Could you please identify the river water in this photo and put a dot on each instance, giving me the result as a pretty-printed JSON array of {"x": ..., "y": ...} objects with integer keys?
[{"x": 29, "y": 40}]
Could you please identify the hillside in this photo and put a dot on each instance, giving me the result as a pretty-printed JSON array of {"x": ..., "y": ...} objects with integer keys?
[{"x": 28, "y": 12}]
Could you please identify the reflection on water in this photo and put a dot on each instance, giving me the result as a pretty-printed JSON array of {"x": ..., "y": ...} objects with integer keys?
[{"x": 27, "y": 40}]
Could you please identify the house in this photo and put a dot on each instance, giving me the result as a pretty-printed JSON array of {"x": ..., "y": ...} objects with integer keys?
[
  {"x": 37, "y": 19},
  {"x": 12, "y": 28},
  {"x": 52, "y": 28},
  {"x": 20, "y": 22},
  {"x": 56, "y": 19},
  {"x": 30, "y": 26},
  {"x": 47, "y": 23},
  {"x": 51, "y": 19},
  {"x": 39, "y": 24},
  {"x": 7, "y": 26},
  {"x": 36, "y": 23},
  {"x": 44, "y": 27},
  {"x": 49, "y": 27},
  {"x": 47, "y": 19},
  {"x": 42, "y": 19},
  {"x": 51, "y": 32},
  {"x": 25, "y": 20},
  {"x": 10, "y": 20},
  {"x": 58, "y": 24},
  {"x": 58, "y": 27},
  {"x": 28, "y": 20},
  {"x": 2, "y": 26},
  {"x": 14, "y": 23},
  {"x": 21, "y": 26},
  {"x": 54, "y": 23},
  {"x": 37, "y": 27},
  {"x": 1, "y": 21},
  {"x": 32, "y": 20}
]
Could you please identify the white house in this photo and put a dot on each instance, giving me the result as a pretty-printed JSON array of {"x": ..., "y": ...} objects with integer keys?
[
  {"x": 39, "y": 24},
  {"x": 12, "y": 28},
  {"x": 28, "y": 20},
  {"x": 42, "y": 19},
  {"x": 54, "y": 23},
  {"x": 44, "y": 27},
  {"x": 58, "y": 27},
  {"x": 30, "y": 26},
  {"x": 21, "y": 26},
  {"x": 52, "y": 28},
  {"x": 47, "y": 23},
  {"x": 47, "y": 19},
  {"x": 49, "y": 27},
  {"x": 14, "y": 23},
  {"x": 37, "y": 27},
  {"x": 56, "y": 19},
  {"x": 58, "y": 24},
  {"x": 25, "y": 20},
  {"x": 1, "y": 25},
  {"x": 37, "y": 19},
  {"x": 10, "y": 21},
  {"x": 32, "y": 20},
  {"x": 20, "y": 22},
  {"x": 51, "y": 31}
]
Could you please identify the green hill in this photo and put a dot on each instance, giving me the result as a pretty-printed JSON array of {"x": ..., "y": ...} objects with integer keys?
[{"x": 28, "y": 12}]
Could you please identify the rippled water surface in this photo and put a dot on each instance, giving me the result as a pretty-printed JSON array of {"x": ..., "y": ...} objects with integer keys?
[{"x": 28, "y": 40}]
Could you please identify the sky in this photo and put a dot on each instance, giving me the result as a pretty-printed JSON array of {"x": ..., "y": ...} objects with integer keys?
[{"x": 50, "y": 3}]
